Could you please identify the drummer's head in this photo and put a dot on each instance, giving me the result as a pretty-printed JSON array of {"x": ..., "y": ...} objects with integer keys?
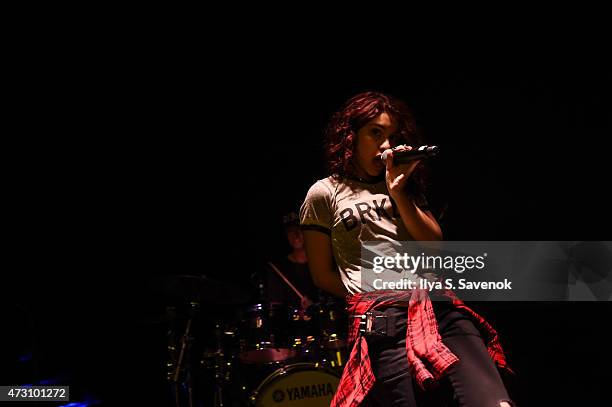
[{"x": 291, "y": 223}]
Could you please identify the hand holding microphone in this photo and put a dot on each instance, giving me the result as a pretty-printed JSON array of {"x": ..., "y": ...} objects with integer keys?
[
  {"x": 406, "y": 156},
  {"x": 404, "y": 160}
]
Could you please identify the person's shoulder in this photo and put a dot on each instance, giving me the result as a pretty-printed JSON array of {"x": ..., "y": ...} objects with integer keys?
[
  {"x": 318, "y": 206},
  {"x": 324, "y": 187}
]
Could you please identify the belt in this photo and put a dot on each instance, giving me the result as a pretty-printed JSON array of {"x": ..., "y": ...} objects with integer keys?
[
  {"x": 386, "y": 326},
  {"x": 367, "y": 321}
]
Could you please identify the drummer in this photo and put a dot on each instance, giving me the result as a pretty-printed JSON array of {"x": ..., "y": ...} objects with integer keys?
[{"x": 287, "y": 279}]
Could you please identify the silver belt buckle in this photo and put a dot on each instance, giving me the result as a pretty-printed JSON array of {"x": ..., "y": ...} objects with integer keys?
[{"x": 367, "y": 323}]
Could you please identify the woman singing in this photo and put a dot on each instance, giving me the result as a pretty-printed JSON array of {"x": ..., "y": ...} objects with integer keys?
[{"x": 365, "y": 199}]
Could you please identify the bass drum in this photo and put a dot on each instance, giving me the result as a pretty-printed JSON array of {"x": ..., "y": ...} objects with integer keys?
[{"x": 297, "y": 385}]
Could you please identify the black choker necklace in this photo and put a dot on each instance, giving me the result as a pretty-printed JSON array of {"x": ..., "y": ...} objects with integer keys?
[{"x": 373, "y": 180}]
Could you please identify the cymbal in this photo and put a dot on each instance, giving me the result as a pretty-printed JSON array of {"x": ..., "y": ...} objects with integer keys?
[
  {"x": 201, "y": 289},
  {"x": 169, "y": 315}
]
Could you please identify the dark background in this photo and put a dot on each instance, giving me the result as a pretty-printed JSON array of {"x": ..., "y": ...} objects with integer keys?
[{"x": 184, "y": 170}]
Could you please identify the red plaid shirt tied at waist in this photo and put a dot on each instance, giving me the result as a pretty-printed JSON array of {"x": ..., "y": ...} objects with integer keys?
[{"x": 428, "y": 358}]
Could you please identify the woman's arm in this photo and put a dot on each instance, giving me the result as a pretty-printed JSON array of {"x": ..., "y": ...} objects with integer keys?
[
  {"x": 420, "y": 224},
  {"x": 321, "y": 263}
]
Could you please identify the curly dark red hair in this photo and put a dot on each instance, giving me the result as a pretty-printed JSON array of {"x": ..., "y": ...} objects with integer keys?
[{"x": 341, "y": 132}]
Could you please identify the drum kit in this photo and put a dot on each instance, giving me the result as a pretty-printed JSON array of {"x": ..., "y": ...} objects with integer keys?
[{"x": 224, "y": 350}]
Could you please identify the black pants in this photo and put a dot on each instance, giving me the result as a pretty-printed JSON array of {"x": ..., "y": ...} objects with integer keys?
[{"x": 474, "y": 381}]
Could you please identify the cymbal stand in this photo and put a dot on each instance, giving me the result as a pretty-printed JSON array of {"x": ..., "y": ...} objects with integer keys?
[{"x": 184, "y": 355}]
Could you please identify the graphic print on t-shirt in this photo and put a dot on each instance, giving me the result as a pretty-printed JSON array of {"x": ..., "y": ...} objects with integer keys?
[{"x": 364, "y": 212}]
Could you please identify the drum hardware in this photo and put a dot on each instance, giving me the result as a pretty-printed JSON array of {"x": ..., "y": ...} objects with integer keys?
[
  {"x": 253, "y": 348},
  {"x": 182, "y": 362}
]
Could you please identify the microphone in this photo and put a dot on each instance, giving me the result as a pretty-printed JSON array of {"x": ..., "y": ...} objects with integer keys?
[{"x": 404, "y": 157}]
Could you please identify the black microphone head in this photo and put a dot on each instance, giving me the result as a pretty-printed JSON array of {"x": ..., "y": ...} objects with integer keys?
[
  {"x": 428, "y": 151},
  {"x": 432, "y": 150}
]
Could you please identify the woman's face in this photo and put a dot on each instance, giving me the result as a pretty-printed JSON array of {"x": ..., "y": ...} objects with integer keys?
[{"x": 375, "y": 137}]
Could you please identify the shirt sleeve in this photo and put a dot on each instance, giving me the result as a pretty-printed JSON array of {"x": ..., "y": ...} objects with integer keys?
[{"x": 316, "y": 212}]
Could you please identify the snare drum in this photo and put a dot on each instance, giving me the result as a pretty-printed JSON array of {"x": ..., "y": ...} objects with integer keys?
[{"x": 332, "y": 324}]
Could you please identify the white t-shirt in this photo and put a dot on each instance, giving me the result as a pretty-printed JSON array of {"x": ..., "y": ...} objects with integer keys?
[{"x": 353, "y": 212}]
